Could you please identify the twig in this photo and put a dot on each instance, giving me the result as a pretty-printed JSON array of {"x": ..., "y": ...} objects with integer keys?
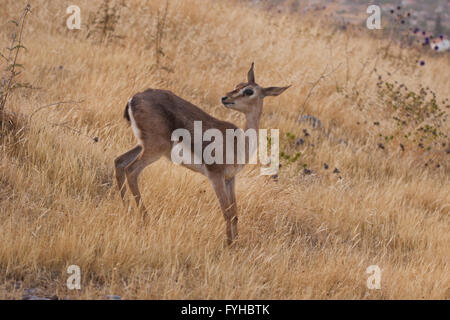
[
  {"x": 347, "y": 59},
  {"x": 64, "y": 125},
  {"x": 51, "y": 105},
  {"x": 6, "y": 83},
  {"x": 160, "y": 26},
  {"x": 322, "y": 76}
]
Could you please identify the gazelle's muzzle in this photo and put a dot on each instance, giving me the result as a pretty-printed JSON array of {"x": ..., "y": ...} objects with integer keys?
[{"x": 226, "y": 101}]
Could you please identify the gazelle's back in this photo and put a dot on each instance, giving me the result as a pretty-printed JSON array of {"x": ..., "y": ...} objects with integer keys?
[{"x": 162, "y": 112}]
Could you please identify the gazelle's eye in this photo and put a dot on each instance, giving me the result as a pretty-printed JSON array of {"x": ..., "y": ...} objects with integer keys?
[{"x": 248, "y": 92}]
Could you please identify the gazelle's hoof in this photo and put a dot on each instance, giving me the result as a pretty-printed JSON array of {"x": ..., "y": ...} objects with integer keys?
[{"x": 231, "y": 242}]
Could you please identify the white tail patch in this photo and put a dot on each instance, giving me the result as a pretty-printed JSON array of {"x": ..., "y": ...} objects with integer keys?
[{"x": 136, "y": 131}]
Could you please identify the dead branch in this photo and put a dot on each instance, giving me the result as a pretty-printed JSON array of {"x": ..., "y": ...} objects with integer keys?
[
  {"x": 7, "y": 83},
  {"x": 52, "y": 105},
  {"x": 322, "y": 76}
]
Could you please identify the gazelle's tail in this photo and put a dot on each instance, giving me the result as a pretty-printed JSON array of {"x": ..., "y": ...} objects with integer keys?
[{"x": 126, "y": 115}]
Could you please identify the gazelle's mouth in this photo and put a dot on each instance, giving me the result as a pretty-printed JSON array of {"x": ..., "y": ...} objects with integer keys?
[{"x": 228, "y": 103}]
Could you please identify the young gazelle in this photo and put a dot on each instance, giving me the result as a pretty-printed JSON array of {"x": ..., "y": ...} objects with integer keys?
[{"x": 155, "y": 114}]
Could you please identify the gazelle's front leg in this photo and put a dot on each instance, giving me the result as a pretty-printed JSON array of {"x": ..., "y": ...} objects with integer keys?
[
  {"x": 228, "y": 207},
  {"x": 230, "y": 185}
]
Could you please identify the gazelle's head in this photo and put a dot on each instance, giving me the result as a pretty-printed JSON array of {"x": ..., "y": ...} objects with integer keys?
[{"x": 248, "y": 97}]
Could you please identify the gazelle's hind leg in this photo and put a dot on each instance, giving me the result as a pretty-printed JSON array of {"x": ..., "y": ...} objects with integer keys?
[
  {"x": 146, "y": 157},
  {"x": 121, "y": 163}
]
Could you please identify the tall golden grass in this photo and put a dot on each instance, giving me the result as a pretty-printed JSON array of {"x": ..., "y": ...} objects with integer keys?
[{"x": 301, "y": 237}]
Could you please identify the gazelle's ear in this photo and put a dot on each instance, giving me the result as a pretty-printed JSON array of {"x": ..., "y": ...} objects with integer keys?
[
  {"x": 274, "y": 91},
  {"x": 251, "y": 74}
]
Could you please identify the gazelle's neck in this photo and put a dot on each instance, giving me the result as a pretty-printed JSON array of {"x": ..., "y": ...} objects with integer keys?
[
  {"x": 252, "y": 118},
  {"x": 252, "y": 122}
]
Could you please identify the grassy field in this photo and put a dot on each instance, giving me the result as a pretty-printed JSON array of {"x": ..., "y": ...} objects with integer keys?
[{"x": 302, "y": 236}]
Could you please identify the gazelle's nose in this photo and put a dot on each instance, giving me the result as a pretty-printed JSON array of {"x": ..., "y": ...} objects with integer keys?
[{"x": 224, "y": 99}]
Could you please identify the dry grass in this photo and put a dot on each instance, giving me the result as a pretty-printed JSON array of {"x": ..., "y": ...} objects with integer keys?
[{"x": 301, "y": 237}]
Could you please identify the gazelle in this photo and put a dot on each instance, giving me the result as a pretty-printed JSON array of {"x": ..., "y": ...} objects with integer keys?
[{"x": 155, "y": 114}]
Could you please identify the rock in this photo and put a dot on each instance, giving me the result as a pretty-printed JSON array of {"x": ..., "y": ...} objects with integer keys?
[
  {"x": 325, "y": 166},
  {"x": 336, "y": 170},
  {"x": 36, "y": 294},
  {"x": 30, "y": 292},
  {"x": 27, "y": 297},
  {"x": 307, "y": 171},
  {"x": 300, "y": 142},
  {"x": 113, "y": 297}
]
